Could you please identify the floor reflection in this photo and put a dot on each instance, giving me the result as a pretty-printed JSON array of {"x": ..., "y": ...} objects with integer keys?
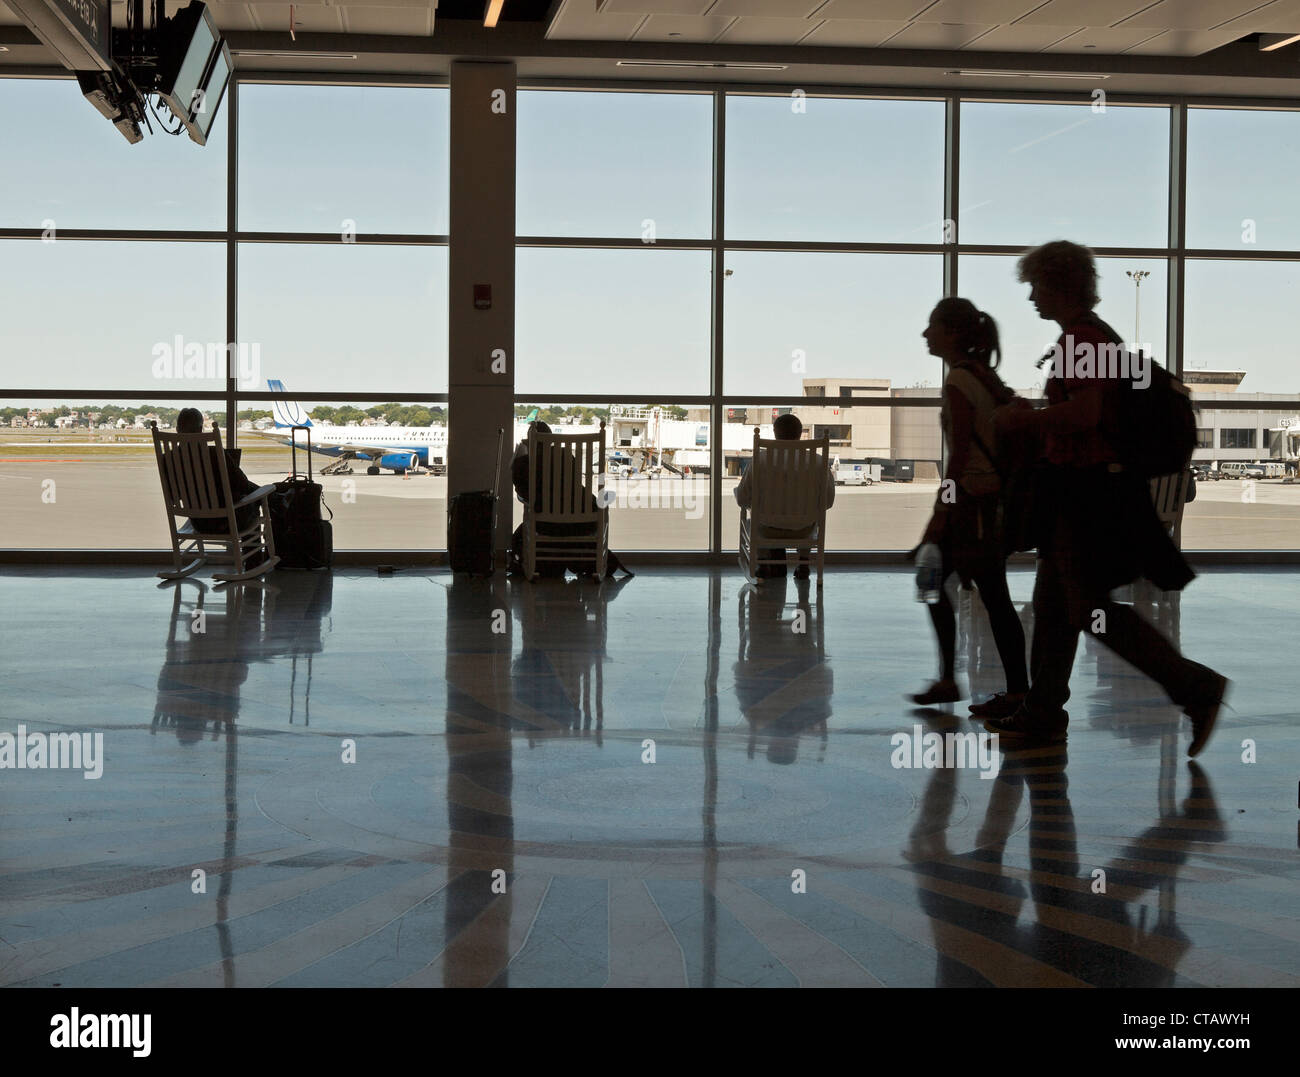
[{"x": 659, "y": 782}]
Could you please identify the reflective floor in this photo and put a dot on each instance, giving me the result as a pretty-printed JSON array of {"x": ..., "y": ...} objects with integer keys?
[{"x": 676, "y": 780}]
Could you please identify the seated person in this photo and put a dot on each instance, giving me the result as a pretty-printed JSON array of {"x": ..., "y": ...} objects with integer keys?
[
  {"x": 577, "y": 564},
  {"x": 786, "y": 428},
  {"x": 190, "y": 421}
]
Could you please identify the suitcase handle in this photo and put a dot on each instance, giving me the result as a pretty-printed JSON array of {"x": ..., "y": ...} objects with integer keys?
[{"x": 293, "y": 445}]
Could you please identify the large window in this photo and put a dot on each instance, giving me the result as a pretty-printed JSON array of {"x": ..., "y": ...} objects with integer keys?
[
  {"x": 1241, "y": 165},
  {"x": 77, "y": 171},
  {"x": 343, "y": 159},
  {"x": 346, "y": 316},
  {"x": 612, "y": 321},
  {"x": 1239, "y": 318},
  {"x": 1093, "y": 173},
  {"x": 848, "y": 171},
  {"x": 657, "y": 468},
  {"x": 885, "y": 459},
  {"x": 139, "y": 315},
  {"x": 382, "y": 467},
  {"x": 146, "y": 314},
  {"x": 1137, "y": 312},
  {"x": 797, "y": 317},
  {"x": 712, "y": 276},
  {"x": 82, "y": 474},
  {"x": 627, "y": 165}
]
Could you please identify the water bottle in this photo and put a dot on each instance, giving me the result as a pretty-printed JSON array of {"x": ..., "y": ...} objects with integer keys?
[{"x": 929, "y": 582}]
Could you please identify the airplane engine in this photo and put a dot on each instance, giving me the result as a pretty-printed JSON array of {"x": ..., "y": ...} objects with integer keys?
[{"x": 400, "y": 461}]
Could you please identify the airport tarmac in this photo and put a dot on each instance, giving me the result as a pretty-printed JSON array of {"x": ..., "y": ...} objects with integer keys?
[{"x": 77, "y": 494}]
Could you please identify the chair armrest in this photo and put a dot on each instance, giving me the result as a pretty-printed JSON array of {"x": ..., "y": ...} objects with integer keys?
[{"x": 255, "y": 496}]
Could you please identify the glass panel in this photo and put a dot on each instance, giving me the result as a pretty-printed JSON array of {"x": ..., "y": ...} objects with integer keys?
[
  {"x": 80, "y": 313},
  {"x": 345, "y": 317},
  {"x": 796, "y": 319},
  {"x": 1035, "y": 172},
  {"x": 330, "y": 158},
  {"x": 989, "y": 281},
  {"x": 656, "y": 468},
  {"x": 81, "y": 474},
  {"x": 885, "y": 462},
  {"x": 615, "y": 164},
  {"x": 1238, "y": 322},
  {"x": 592, "y": 321},
  {"x": 1243, "y": 501},
  {"x": 819, "y": 168},
  {"x": 79, "y": 172},
  {"x": 362, "y": 455},
  {"x": 1241, "y": 166},
  {"x": 1237, "y": 313}
]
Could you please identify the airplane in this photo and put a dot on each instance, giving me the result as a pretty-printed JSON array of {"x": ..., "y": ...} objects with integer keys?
[{"x": 397, "y": 448}]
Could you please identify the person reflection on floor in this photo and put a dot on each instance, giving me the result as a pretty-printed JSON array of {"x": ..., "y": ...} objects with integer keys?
[
  {"x": 972, "y": 899},
  {"x": 783, "y": 682},
  {"x": 559, "y": 673}
]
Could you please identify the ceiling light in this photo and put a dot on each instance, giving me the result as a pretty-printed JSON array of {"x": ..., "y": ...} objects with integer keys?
[
  {"x": 293, "y": 54},
  {"x": 1273, "y": 42},
  {"x": 1028, "y": 75},
  {"x": 492, "y": 13},
  {"x": 701, "y": 63}
]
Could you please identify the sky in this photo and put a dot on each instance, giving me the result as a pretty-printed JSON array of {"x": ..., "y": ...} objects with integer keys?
[{"x": 634, "y": 323}]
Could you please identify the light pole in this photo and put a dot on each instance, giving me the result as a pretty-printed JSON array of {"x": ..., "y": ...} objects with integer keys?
[{"x": 1137, "y": 276}]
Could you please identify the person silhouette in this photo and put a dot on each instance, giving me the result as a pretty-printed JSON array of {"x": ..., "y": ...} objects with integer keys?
[
  {"x": 1099, "y": 529},
  {"x": 964, "y": 523}
]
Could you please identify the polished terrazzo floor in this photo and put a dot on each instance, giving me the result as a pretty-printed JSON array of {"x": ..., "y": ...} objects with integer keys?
[{"x": 359, "y": 765}]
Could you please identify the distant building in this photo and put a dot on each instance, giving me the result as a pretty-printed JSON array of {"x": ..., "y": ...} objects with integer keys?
[{"x": 1239, "y": 435}]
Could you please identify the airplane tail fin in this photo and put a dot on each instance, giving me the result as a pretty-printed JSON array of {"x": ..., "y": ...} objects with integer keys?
[{"x": 287, "y": 412}]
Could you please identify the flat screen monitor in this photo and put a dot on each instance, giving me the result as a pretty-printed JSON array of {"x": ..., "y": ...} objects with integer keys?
[
  {"x": 193, "y": 42},
  {"x": 209, "y": 96}
]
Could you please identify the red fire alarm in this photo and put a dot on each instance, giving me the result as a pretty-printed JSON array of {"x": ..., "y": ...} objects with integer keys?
[{"x": 482, "y": 297}]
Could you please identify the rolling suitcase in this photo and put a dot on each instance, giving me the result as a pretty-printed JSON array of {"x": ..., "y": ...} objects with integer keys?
[
  {"x": 471, "y": 526},
  {"x": 303, "y": 537}
]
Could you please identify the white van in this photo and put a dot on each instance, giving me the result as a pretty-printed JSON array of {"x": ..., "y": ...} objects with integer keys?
[
  {"x": 1237, "y": 470},
  {"x": 856, "y": 474}
]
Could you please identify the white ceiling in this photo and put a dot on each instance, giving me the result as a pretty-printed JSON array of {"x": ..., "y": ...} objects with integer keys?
[{"x": 1141, "y": 27}]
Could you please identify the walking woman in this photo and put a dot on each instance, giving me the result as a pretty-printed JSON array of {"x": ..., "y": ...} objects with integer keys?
[{"x": 964, "y": 524}]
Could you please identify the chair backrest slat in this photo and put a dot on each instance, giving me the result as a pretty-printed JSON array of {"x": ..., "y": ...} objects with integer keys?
[
  {"x": 564, "y": 473},
  {"x": 192, "y": 485},
  {"x": 1169, "y": 494},
  {"x": 788, "y": 484}
]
